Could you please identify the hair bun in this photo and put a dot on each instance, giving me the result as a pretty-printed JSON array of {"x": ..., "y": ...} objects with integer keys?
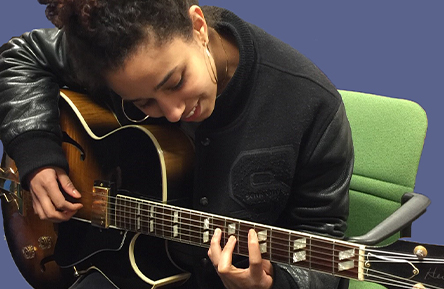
[
  {"x": 45, "y": 2},
  {"x": 61, "y": 12},
  {"x": 52, "y": 11}
]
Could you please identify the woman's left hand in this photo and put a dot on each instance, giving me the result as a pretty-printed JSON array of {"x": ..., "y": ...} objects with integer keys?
[{"x": 260, "y": 273}]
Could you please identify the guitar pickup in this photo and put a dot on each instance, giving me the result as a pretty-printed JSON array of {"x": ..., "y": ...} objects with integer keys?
[{"x": 100, "y": 208}]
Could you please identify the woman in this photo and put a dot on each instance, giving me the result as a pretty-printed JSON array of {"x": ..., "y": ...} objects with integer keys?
[{"x": 273, "y": 144}]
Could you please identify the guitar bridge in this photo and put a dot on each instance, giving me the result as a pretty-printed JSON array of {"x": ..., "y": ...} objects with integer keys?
[
  {"x": 100, "y": 211},
  {"x": 10, "y": 189}
]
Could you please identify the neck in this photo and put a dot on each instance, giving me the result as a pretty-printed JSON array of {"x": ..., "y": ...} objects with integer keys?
[{"x": 226, "y": 56}]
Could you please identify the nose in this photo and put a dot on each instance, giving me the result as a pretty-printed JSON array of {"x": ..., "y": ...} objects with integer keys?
[{"x": 172, "y": 109}]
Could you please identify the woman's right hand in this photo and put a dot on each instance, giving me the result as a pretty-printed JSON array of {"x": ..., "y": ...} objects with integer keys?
[{"x": 47, "y": 199}]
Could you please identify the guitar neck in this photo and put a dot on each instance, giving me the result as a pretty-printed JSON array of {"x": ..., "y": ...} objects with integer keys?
[
  {"x": 93, "y": 137},
  {"x": 196, "y": 228}
]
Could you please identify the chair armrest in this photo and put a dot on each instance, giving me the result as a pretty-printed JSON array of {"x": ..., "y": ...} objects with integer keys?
[{"x": 413, "y": 206}]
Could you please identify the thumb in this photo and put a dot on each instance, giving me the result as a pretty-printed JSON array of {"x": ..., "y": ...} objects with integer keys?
[{"x": 66, "y": 184}]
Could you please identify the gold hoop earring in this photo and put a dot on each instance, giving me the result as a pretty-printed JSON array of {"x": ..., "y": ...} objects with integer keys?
[
  {"x": 207, "y": 50},
  {"x": 133, "y": 120}
]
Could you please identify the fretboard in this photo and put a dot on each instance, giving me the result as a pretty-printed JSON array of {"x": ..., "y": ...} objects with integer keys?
[{"x": 300, "y": 249}]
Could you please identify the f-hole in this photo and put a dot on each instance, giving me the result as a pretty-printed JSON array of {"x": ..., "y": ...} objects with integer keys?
[{"x": 67, "y": 139}]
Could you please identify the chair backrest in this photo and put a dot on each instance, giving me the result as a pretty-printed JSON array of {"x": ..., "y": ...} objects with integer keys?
[{"x": 388, "y": 137}]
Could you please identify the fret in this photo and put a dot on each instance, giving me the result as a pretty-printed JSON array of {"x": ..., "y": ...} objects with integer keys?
[
  {"x": 206, "y": 229},
  {"x": 152, "y": 219},
  {"x": 117, "y": 215},
  {"x": 277, "y": 245},
  {"x": 176, "y": 224},
  {"x": 195, "y": 229},
  {"x": 263, "y": 236},
  {"x": 167, "y": 222},
  {"x": 130, "y": 216},
  {"x": 242, "y": 239},
  {"x": 136, "y": 219},
  {"x": 231, "y": 228},
  {"x": 170, "y": 220},
  {"x": 346, "y": 260},
  {"x": 219, "y": 222},
  {"x": 333, "y": 253},
  {"x": 299, "y": 250},
  {"x": 125, "y": 213},
  {"x": 144, "y": 217},
  {"x": 185, "y": 226},
  {"x": 158, "y": 221},
  {"x": 280, "y": 251},
  {"x": 321, "y": 255},
  {"x": 236, "y": 229}
]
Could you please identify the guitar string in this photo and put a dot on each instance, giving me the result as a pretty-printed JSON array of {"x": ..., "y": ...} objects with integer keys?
[
  {"x": 286, "y": 243},
  {"x": 312, "y": 260},
  {"x": 166, "y": 220},
  {"x": 186, "y": 235},
  {"x": 198, "y": 228},
  {"x": 189, "y": 211},
  {"x": 240, "y": 231},
  {"x": 279, "y": 245},
  {"x": 413, "y": 261},
  {"x": 398, "y": 255},
  {"x": 240, "y": 246},
  {"x": 390, "y": 279},
  {"x": 144, "y": 202},
  {"x": 376, "y": 277},
  {"x": 227, "y": 221},
  {"x": 401, "y": 282},
  {"x": 169, "y": 219},
  {"x": 131, "y": 222},
  {"x": 393, "y": 278}
]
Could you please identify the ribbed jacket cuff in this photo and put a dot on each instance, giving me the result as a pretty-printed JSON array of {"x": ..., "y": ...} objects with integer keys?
[{"x": 35, "y": 150}]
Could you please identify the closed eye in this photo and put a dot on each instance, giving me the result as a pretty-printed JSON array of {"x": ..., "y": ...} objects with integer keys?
[
  {"x": 149, "y": 102},
  {"x": 181, "y": 81},
  {"x": 179, "y": 84}
]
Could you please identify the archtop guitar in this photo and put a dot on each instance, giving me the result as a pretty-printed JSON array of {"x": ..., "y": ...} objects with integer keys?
[{"x": 134, "y": 181}]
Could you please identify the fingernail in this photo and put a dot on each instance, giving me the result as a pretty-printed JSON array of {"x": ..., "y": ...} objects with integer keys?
[{"x": 252, "y": 233}]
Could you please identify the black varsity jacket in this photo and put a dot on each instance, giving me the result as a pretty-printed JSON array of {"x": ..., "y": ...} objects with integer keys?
[{"x": 277, "y": 149}]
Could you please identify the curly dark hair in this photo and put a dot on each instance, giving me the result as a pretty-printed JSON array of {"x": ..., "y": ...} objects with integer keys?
[{"x": 102, "y": 33}]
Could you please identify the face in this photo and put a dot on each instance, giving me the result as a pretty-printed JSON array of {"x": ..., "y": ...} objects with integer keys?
[{"x": 173, "y": 80}]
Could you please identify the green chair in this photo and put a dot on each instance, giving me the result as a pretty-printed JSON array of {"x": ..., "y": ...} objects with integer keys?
[{"x": 388, "y": 136}]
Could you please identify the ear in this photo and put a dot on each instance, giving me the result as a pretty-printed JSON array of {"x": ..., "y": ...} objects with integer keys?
[{"x": 200, "y": 28}]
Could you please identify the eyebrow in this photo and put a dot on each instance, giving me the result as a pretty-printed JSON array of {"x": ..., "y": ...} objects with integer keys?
[{"x": 165, "y": 79}]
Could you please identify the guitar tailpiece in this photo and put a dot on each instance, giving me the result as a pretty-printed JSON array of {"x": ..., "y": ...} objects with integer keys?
[{"x": 77, "y": 274}]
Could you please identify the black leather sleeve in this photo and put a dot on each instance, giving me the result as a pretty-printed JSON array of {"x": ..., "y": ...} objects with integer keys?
[
  {"x": 320, "y": 202},
  {"x": 33, "y": 67}
]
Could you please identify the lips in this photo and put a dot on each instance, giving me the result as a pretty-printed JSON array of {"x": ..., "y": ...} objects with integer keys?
[{"x": 191, "y": 113}]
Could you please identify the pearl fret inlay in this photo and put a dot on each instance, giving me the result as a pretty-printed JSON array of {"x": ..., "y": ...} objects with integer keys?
[
  {"x": 280, "y": 245},
  {"x": 176, "y": 224},
  {"x": 231, "y": 229},
  {"x": 206, "y": 231},
  {"x": 151, "y": 219}
]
